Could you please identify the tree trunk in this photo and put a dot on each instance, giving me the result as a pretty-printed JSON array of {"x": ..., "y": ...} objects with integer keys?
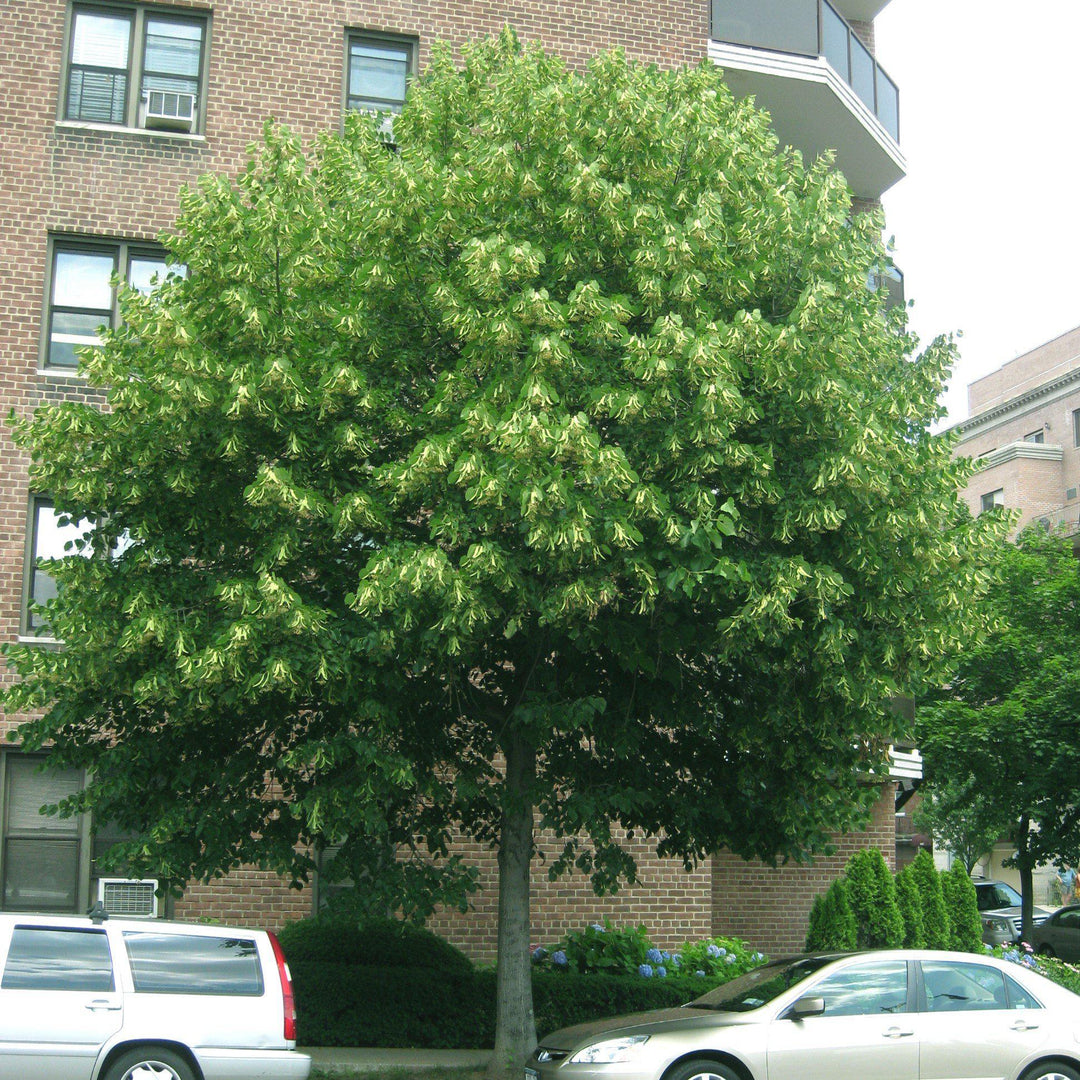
[
  {"x": 1023, "y": 864},
  {"x": 515, "y": 1024}
]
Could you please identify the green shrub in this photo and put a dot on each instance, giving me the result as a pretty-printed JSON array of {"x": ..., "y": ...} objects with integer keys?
[
  {"x": 832, "y": 924},
  {"x": 373, "y": 942},
  {"x": 603, "y": 949},
  {"x": 909, "y": 901},
  {"x": 351, "y": 1005},
  {"x": 718, "y": 958},
  {"x": 937, "y": 930},
  {"x": 872, "y": 896},
  {"x": 965, "y": 926},
  {"x": 609, "y": 950}
]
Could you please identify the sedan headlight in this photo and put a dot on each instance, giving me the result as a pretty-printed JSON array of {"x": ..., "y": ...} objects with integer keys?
[{"x": 610, "y": 1051}]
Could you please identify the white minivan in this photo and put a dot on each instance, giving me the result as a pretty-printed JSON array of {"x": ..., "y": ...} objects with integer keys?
[{"x": 131, "y": 999}]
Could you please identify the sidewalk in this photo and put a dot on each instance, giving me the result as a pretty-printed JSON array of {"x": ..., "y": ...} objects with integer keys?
[{"x": 349, "y": 1061}]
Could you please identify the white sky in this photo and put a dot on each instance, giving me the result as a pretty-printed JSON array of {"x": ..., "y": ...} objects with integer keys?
[{"x": 988, "y": 218}]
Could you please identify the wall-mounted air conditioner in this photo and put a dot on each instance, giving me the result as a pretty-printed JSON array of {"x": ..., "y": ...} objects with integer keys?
[
  {"x": 167, "y": 110},
  {"x": 131, "y": 898}
]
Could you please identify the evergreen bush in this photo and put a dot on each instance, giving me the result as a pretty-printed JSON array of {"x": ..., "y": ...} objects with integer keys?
[
  {"x": 965, "y": 926},
  {"x": 872, "y": 895},
  {"x": 937, "y": 931},
  {"x": 909, "y": 901},
  {"x": 832, "y": 924}
]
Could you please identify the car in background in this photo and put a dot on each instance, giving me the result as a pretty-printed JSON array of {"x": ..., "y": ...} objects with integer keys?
[
  {"x": 1059, "y": 935},
  {"x": 94, "y": 998},
  {"x": 1000, "y": 911},
  {"x": 889, "y": 1015}
]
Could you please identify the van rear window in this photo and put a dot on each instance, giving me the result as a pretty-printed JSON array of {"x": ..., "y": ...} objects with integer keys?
[{"x": 193, "y": 964}]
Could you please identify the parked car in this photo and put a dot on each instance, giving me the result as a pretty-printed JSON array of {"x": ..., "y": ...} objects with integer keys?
[
  {"x": 999, "y": 908},
  {"x": 143, "y": 999},
  {"x": 1059, "y": 935},
  {"x": 893, "y": 1015}
]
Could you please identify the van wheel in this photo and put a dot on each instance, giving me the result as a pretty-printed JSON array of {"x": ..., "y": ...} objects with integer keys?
[
  {"x": 1051, "y": 1070},
  {"x": 150, "y": 1063}
]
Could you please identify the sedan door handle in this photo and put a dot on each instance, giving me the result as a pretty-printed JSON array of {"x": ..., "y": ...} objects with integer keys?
[
  {"x": 1023, "y": 1025},
  {"x": 104, "y": 1006},
  {"x": 896, "y": 1033}
]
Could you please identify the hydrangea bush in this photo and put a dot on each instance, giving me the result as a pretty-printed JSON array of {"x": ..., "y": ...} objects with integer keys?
[{"x": 601, "y": 948}]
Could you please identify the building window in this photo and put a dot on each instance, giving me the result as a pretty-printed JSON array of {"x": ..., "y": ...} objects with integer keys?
[
  {"x": 41, "y": 856},
  {"x": 992, "y": 499},
  {"x": 50, "y": 533},
  {"x": 1076, "y": 427},
  {"x": 81, "y": 296},
  {"x": 377, "y": 72},
  {"x": 135, "y": 67},
  {"x": 1035, "y": 436}
]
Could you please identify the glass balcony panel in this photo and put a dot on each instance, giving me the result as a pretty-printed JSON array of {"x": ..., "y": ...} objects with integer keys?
[
  {"x": 888, "y": 104},
  {"x": 834, "y": 42},
  {"x": 862, "y": 72},
  {"x": 780, "y": 25}
]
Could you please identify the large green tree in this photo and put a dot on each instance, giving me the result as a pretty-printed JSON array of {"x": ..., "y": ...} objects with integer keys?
[
  {"x": 1004, "y": 728},
  {"x": 553, "y": 465}
]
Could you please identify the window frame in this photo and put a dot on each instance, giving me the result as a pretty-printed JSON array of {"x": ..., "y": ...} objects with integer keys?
[
  {"x": 139, "y": 14},
  {"x": 997, "y": 497},
  {"x": 1076, "y": 427},
  {"x": 124, "y": 252},
  {"x": 80, "y": 833},
  {"x": 409, "y": 44}
]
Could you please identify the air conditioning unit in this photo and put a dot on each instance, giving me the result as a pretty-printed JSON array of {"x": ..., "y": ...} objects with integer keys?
[
  {"x": 129, "y": 897},
  {"x": 167, "y": 110}
]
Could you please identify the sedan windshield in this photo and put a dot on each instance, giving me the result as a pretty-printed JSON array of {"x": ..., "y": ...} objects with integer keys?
[
  {"x": 760, "y": 986},
  {"x": 995, "y": 896}
]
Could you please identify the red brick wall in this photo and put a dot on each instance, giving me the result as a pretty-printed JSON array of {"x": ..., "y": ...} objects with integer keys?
[
  {"x": 769, "y": 908},
  {"x": 671, "y": 903},
  {"x": 246, "y": 897}
]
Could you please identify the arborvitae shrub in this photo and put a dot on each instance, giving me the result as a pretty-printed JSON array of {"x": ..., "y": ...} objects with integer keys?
[
  {"x": 373, "y": 942},
  {"x": 832, "y": 924},
  {"x": 937, "y": 931},
  {"x": 872, "y": 895},
  {"x": 965, "y": 926},
  {"x": 909, "y": 901}
]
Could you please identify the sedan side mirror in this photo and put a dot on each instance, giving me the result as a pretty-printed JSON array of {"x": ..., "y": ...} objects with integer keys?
[{"x": 807, "y": 1006}]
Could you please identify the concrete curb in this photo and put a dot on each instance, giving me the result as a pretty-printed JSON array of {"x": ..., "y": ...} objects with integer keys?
[{"x": 354, "y": 1061}]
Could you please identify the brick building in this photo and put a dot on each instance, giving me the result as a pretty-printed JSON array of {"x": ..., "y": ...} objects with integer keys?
[
  {"x": 110, "y": 107},
  {"x": 1024, "y": 431}
]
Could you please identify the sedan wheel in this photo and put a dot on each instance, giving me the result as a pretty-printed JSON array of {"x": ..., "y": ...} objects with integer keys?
[
  {"x": 703, "y": 1069},
  {"x": 1051, "y": 1070},
  {"x": 150, "y": 1063}
]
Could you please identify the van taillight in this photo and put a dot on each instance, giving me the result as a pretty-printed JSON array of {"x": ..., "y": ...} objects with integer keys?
[{"x": 287, "y": 998}]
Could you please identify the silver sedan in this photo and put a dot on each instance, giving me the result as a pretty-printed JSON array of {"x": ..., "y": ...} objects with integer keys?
[{"x": 897, "y": 1015}]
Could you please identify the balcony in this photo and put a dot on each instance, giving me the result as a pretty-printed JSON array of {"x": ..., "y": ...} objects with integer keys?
[{"x": 823, "y": 88}]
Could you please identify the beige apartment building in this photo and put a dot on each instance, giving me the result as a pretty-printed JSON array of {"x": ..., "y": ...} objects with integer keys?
[
  {"x": 1024, "y": 432},
  {"x": 111, "y": 106}
]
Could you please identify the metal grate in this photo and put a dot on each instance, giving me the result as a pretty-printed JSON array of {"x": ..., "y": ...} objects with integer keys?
[{"x": 129, "y": 897}]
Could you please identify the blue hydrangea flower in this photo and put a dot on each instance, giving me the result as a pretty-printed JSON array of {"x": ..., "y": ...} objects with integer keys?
[
  {"x": 713, "y": 950},
  {"x": 730, "y": 958},
  {"x": 676, "y": 960},
  {"x": 597, "y": 927},
  {"x": 559, "y": 958},
  {"x": 539, "y": 953},
  {"x": 700, "y": 973},
  {"x": 645, "y": 970},
  {"x": 666, "y": 955},
  {"x": 662, "y": 971},
  {"x": 654, "y": 956}
]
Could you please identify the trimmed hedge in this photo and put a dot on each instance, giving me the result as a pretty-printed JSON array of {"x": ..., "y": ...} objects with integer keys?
[
  {"x": 349, "y": 1005},
  {"x": 372, "y": 942}
]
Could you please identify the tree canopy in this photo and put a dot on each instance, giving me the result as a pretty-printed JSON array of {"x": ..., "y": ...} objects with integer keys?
[
  {"x": 555, "y": 461},
  {"x": 1004, "y": 729}
]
